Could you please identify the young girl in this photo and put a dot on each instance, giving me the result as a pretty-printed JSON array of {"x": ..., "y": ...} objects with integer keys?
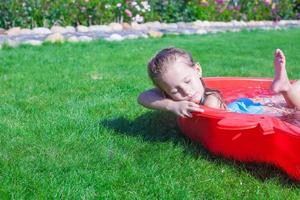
[{"x": 180, "y": 88}]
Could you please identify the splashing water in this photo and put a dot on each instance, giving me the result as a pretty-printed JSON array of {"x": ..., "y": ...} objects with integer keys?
[{"x": 273, "y": 105}]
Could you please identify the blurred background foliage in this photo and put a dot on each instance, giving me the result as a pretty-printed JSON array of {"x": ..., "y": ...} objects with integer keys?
[{"x": 37, "y": 13}]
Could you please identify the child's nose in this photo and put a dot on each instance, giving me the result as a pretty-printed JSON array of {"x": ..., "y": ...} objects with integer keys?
[{"x": 186, "y": 91}]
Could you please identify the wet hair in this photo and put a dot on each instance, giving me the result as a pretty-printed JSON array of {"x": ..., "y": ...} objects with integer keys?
[{"x": 165, "y": 58}]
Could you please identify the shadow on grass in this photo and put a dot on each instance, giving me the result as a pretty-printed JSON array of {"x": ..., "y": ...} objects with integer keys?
[{"x": 158, "y": 126}]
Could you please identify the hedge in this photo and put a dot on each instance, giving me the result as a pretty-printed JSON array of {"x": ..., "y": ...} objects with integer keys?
[{"x": 33, "y": 13}]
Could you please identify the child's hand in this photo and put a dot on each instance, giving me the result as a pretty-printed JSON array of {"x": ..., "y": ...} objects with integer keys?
[{"x": 185, "y": 108}]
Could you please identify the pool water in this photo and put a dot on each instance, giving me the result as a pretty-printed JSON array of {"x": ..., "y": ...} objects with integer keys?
[{"x": 273, "y": 105}]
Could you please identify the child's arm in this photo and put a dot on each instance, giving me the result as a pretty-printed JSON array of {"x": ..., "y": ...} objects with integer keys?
[{"x": 154, "y": 99}]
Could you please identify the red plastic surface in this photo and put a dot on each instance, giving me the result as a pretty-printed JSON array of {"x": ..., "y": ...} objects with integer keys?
[{"x": 245, "y": 137}]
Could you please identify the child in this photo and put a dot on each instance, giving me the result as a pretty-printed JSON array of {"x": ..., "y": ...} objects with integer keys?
[{"x": 180, "y": 89}]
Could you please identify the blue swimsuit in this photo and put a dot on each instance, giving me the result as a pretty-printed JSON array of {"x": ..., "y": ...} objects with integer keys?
[{"x": 245, "y": 105}]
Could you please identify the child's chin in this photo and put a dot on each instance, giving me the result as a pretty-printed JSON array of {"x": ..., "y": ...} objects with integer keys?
[{"x": 196, "y": 99}]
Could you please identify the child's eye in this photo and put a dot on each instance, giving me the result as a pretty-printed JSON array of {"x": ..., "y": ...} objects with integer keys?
[
  {"x": 188, "y": 80},
  {"x": 174, "y": 92}
]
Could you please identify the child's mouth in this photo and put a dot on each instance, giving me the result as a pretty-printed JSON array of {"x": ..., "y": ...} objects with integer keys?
[{"x": 194, "y": 98}]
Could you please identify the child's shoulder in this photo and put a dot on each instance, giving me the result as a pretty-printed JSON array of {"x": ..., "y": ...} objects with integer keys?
[{"x": 213, "y": 101}]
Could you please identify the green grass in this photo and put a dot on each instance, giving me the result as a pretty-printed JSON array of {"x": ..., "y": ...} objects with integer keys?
[{"x": 70, "y": 126}]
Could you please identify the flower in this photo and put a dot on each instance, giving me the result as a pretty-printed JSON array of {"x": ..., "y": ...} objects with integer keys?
[
  {"x": 133, "y": 3},
  {"x": 267, "y": 2},
  {"x": 138, "y": 18},
  {"x": 235, "y": 2},
  {"x": 230, "y": 7},
  {"x": 138, "y": 7},
  {"x": 220, "y": 2},
  {"x": 128, "y": 12},
  {"x": 119, "y": 5},
  {"x": 237, "y": 7},
  {"x": 204, "y": 3},
  {"x": 83, "y": 8},
  {"x": 145, "y": 5}
]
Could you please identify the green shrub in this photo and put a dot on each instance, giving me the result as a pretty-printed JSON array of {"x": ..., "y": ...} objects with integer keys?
[
  {"x": 173, "y": 10},
  {"x": 267, "y": 10},
  {"x": 32, "y": 13}
]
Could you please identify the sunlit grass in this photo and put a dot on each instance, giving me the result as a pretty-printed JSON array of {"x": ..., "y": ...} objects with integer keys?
[{"x": 70, "y": 126}]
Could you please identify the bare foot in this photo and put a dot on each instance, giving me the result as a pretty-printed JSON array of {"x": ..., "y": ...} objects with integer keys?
[{"x": 281, "y": 81}]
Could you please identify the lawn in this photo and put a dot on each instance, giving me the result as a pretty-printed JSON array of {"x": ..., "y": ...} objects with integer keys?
[{"x": 70, "y": 126}]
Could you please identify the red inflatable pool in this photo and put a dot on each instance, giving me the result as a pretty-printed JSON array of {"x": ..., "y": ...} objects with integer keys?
[{"x": 245, "y": 137}]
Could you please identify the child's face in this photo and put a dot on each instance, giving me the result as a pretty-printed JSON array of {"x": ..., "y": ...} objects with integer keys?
[{"x": 182, "y": 82}]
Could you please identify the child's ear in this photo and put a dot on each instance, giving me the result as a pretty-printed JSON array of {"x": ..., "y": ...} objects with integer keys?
[{"x": 198, "y": 68}]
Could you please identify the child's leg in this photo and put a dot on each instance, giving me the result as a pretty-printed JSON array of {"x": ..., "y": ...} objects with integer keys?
[
  {"x": 292, "y": 96},
  {"x": 281, "y": 83}
]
